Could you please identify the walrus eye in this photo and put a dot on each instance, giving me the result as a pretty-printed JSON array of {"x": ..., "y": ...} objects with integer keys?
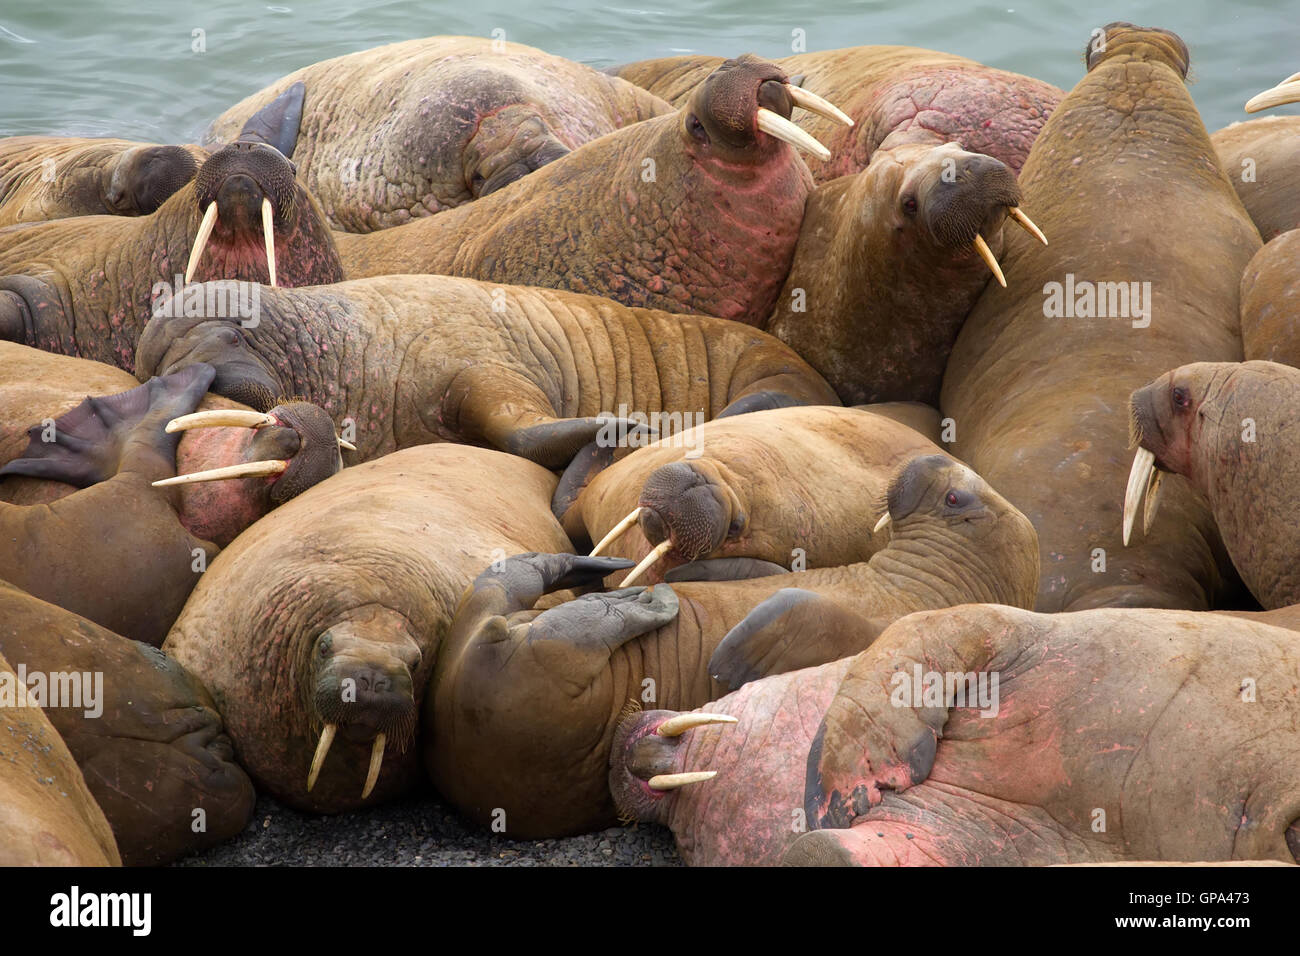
[
  {"x": 1181, "y": 398},
  {"x": 909, "y": 205},
  {"x": 953, "y": 499},
  {"x": 696, "y": 128}
]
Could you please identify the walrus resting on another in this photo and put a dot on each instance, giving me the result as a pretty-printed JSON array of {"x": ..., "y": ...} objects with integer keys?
[
  {"x": 524, "y": 704},
  {"x": 1038, "y": 380},
  {"x": 56, "y": 177},
  {"x": 1101, "y": 723},
  {"x": 1261, "y": 156},
  {"x": 694, "y": 211},
  {"x": 317, "y": 630},
  {"x": 145, "y": 734},
  {"x": 411, "y": 129},
  {"x": 47, "y": 815}
]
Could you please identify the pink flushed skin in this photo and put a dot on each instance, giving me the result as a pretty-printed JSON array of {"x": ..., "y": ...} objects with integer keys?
[{"x": 750, "y": 813}]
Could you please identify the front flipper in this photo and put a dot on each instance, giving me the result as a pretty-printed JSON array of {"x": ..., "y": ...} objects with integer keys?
[
  {"x": 276, "y": 123},
  {"x": 760, "y": 402},
  {"x": 724, "y": 569},
  {"x": 89, "y": 444},
  {"x": 33, "y": 312},
  {"x": 790, "y": 630}
]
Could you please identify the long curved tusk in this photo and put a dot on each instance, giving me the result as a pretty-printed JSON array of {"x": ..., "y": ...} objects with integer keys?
[
  {"x": 815, "y": 104},
  {"x": 248, "y": 469},
  {"x": 347, "y": 444},
  {"x": 1153, "y": 502},
  {"x": 268, "y": 233},
  {"x": 774, "y": 124},
  {"x": 1139, "y": 476},
  {"x": 322, "y": 748},
  {"x": 676, "y": 726},
  {"x": 662, "y": 548},
  {"x": 376, "y": 761},
  {"x": 1026, "y": 223},
  {"x": 218, "y": 417},
  {"x": 990, "y": 260},
  {"x": 884, "y": 520},
  {"x": 672, "y": 781},
  {"x": 1288, "y": 91},
  {"x": 201, "y": 239},
  {"x": 615, "y": 532}
]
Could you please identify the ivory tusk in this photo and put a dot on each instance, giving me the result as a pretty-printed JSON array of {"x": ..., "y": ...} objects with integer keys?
[
  {"x": 672, "y": 781},
  {"x": 774, "y": 124},
  {"x": 815, "y": 104},
  {"x": 1153, "y": 502},
  {"x": 322, "y": 748},
  {"x": 615, "y": 532},
  {"x": 268, "y": 233},
  {"x": 1144, "y": 462},
  {"x": 1288, "y": 91},
  {"x": 884, "y": 520},
  {"x": 1026, "y": 223},
  {"x": 218, "y": 417},
  {"x": 347, "y": 444},
  {"x": 676, "y": 726},
  {"x": 376, "y": 761},
  {"x": 248, "y": 469},
  {"x": 662, "y": 548},
  {"x": 201, "y": 240},
  {"x": 986, "y": 254}
]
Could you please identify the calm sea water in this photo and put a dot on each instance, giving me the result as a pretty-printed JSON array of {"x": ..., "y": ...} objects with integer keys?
[{"x": 125, "y": 68}]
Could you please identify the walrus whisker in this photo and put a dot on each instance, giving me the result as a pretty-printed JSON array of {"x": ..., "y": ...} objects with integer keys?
[
  {"x": 268, "y": 233},
  {"x": 1026, "y": 223},
  {"x": 201, "y": 240},
  {"x": 676, "y": 726},
  {"x": 990, "y": 260},
  {"x": 376, "y": 762},
  {"x": 248, "y": 469},
  {"x": 815, "y": 104},
  {"x": 616, "y": 532},
  {"x": 322, "y": 748},
  {"x": 776, "y": 125},
  {"x": 674, "y": 781},
  {"x": 662, "y": 548}
]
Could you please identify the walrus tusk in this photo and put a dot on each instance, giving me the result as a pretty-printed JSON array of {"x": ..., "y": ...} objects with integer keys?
[
  {"x": 1153, "y": 502},
  {"x": 986, "y": 254},
  {"x": 1144, "y": 462},
  {"x": 676, "y": 726},
  {"x": 248, "y": 469},
  {"x": 774, "y": 124},
  {"x": 672, "y": 781},
  {"x": 662, "y": 548},
  {"x": 347, "y": 444},
  {"x": 218, "y": 417},
  {"x": 201, "y": 239},
  {"x": 322, "y": 748},
  {"x": 376, "y": 761},
  {"x": 615, "y": 532},
  {"x": 815, "y": 104},
  {"x": 1288, "y": 91},
  {"x": 1026, "y": 223},
  {"x": 268, "y": 233},
  {"x": 884, "y": 520}
]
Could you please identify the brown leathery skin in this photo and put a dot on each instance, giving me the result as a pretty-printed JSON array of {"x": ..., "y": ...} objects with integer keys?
[
  {"x": 1260, "y": 157},
  {"x": 1270, "y": 302}
]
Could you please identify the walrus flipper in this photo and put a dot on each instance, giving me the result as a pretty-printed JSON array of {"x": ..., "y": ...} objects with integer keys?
[
  {"x": 276, "y": 123},
  {"x": 90, "y": 443},
  {"x": 724, "y": 569},
  {"x": 790, "y": 630},
  {"x": 32, "y": 312}
]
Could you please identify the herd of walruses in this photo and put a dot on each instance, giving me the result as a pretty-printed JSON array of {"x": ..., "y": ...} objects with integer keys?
[{"x": 735, "y": 445}]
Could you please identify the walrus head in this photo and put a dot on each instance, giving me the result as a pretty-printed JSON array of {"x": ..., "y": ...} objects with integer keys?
[
  {"x": 1140, "y": 42},
  {"x": 142, "y": 178},
  {"x": 243, "y": 374},
  {"x": 642, "y": 775}
]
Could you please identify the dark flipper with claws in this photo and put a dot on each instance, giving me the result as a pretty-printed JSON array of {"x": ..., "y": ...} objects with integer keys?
[{"x": 276, "y": 123}]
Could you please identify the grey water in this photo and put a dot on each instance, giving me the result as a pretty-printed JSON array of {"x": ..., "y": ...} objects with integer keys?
[{"x": 161, "y": 71}]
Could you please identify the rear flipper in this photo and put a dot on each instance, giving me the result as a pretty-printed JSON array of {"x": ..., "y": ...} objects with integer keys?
[
  {"x": 103, "y": 436},
  {"x": 790, "y": 630},
  {"x": 33, "y": 312}
]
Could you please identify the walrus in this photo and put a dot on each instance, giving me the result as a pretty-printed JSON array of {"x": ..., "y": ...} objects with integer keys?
[
  {"x": 56, "y": 177},
  {"x": 318, "y": 629},
  {"x": 1102, "y": 722},
  {"x": 1270, "y": 302},
  {"x": 1039, "y": 376},
  {"x": 47, "y": 815},
  {"x": 145, "y": 733},
  {"x": 115, "y": 551},
  {"x": 416, "y": 359},
  {"x": 888, "y": 90},
  {"x": 1260, "y": 157},
  {"x": 1229, "y": 429},
  {"x": 86, "y": 286},
  {"x": 410, "y": 129},
  {"x": 524, "y": 704},
  {"x": 696, "y": 210}
]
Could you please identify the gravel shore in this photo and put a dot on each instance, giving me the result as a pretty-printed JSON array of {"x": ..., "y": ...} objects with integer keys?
[{"x": 421, "y": 832}]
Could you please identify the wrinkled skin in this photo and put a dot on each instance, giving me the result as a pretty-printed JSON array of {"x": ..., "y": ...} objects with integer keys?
[
  {"x": 918, "y": 93},
  {"x": 1270, "y": 302},
  {"x": 416, "y": 359},
  {"x": 357, "y": 580},
  {"x": 1230, "y": 429},
  {"x": 47, "y": 815},
  {"x": 1038, "y": 401},
  {"x": 40, "y": 387},
  {"x": 87, "y": 286},
  {"x": 156, "y": 752},
  {"x": 55, "y": 177},
  {"x": 763, "y": 485},
  {"x": 885, "y": 271},
  {"x": 1260, "y": 157},
  {"x": 1119, "y": 710},
  {"x": 709, "y": 228},
  {"x": 411, "y": 129},
  {"x": 525, "y": 704}
]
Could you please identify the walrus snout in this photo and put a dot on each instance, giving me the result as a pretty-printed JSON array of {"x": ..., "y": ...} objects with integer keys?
[
  {"x": 643, "y": 758},
  {"x": 1124, "y": 37},
  {"x": 144, "y": 177},
  {"x": 692, "y": 505},
  {"x": 970, "y": 197}
]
